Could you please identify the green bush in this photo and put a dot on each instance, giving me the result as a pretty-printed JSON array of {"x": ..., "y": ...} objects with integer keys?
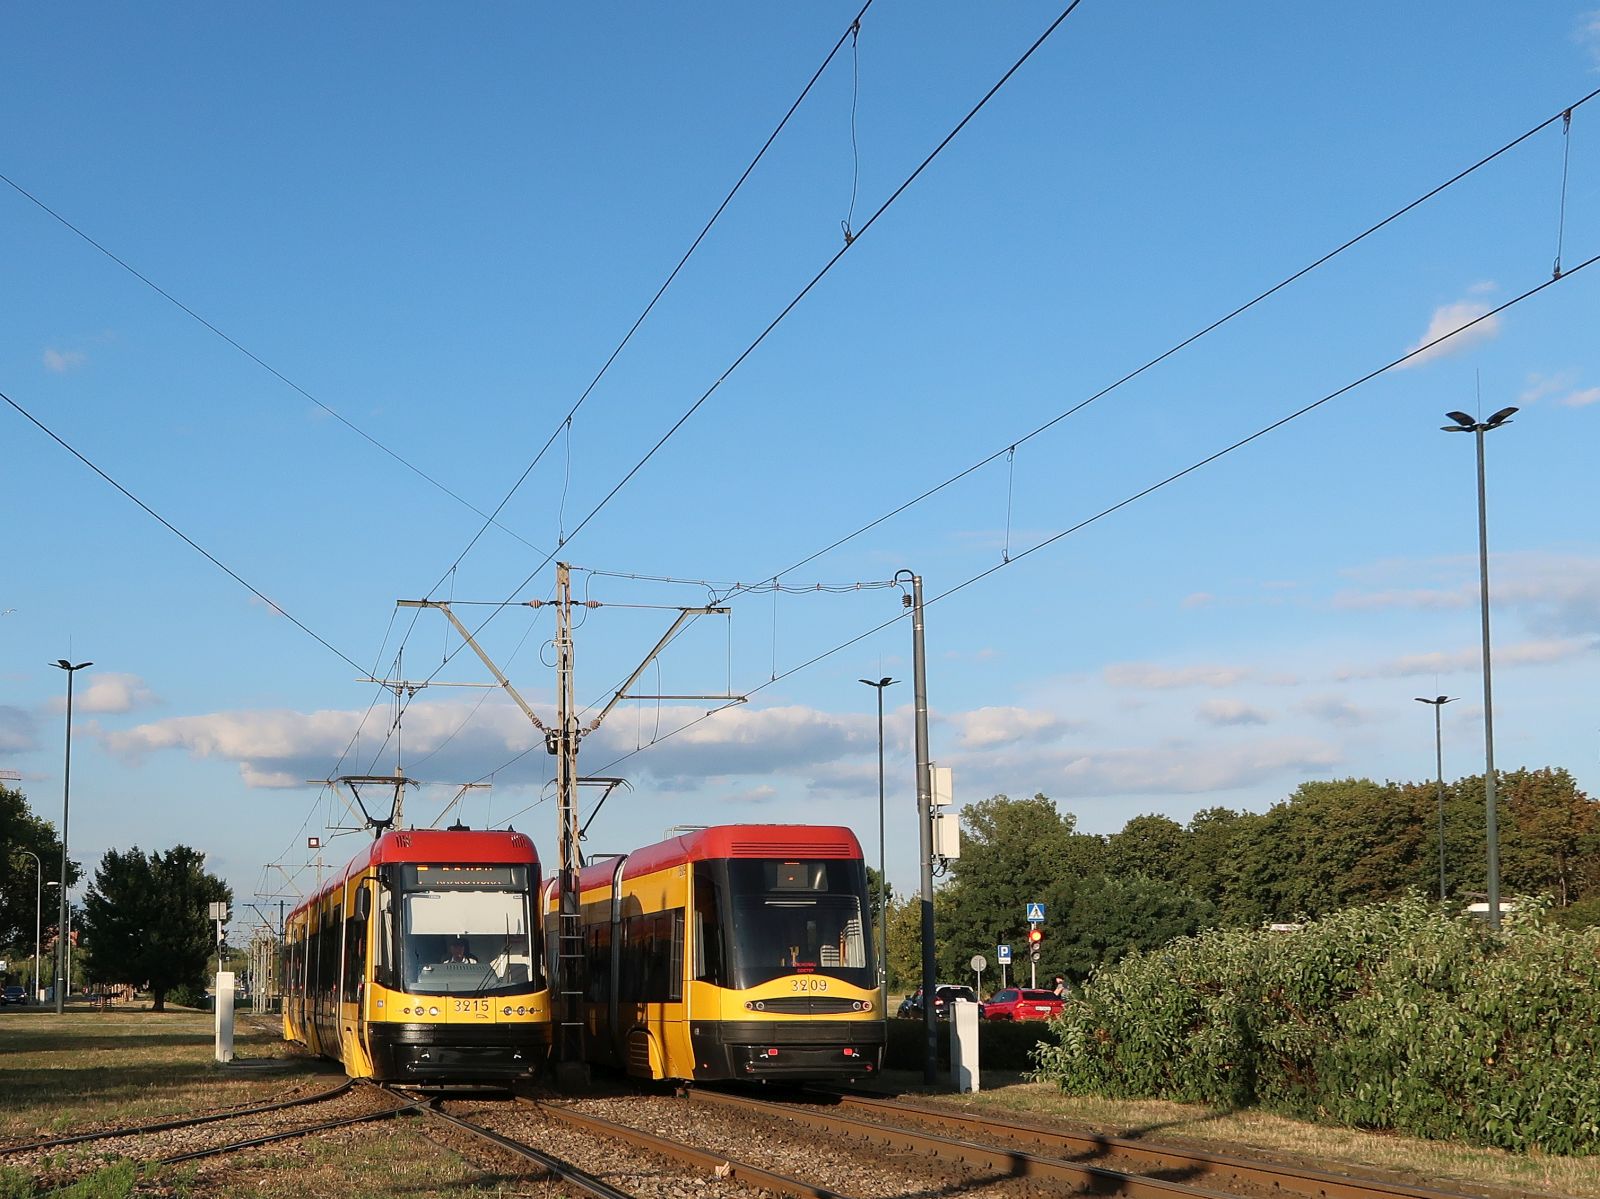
[
  {"x": 1394, "y": 1016},
  {"x": 189, "y": 995}
]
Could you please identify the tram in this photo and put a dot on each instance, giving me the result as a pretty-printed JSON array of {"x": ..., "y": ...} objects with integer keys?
[
  {"x": 420, "y": 961},
  {"x": 734, "y": 952}
]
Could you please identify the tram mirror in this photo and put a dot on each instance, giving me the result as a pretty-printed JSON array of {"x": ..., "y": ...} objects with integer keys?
[{"x": 363, "y": 903}]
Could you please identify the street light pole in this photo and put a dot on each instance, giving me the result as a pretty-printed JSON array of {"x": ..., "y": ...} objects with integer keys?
[
  {"x": 883, "y": 877},
  {"x": 38, "y": 906},
  {"x": 1465, "y": 424},
  {"x": 1438, "y": 703},
  {"x": 63, "y": 945}
]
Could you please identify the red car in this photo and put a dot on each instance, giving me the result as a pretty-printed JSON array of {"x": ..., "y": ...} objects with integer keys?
[{"x": 1023, "y": 1005}]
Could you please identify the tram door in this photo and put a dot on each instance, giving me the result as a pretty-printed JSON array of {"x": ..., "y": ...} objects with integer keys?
[{"x": 353, "y": 1043}]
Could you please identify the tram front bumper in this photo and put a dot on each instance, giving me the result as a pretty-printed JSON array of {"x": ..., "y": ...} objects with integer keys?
[
  {"x": 457, "y": 1052},
  {"x": 791, "y": 1049}
]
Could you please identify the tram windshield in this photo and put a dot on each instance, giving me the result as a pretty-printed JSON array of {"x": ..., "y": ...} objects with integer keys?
[
  {"x": 464, "y": 929},
  {"x": 802, "y": 917}
]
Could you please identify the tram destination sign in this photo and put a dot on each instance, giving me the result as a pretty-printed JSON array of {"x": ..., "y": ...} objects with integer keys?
[{"x": 419, "y": 877}]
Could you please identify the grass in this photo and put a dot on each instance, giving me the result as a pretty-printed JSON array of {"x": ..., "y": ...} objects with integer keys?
[
  {"x": 1434, "y": 1164},
  {"x": 86, "y": 1069}
]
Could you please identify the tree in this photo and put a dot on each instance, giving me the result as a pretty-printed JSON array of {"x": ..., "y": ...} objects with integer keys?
[
  {"x": 22, "y": 832},
  {"x": 145, "y": 919},
  {"x": 1013, "y": 852},
  {"x": 1120, "y": 914},
  {"x": 1150, "y": 845}
]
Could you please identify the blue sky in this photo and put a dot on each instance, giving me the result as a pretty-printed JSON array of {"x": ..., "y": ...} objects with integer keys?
[{"x": 440, "y": 221}]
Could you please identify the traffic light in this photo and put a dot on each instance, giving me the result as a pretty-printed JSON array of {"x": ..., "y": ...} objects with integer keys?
[{"x": 1035, "y": 941}]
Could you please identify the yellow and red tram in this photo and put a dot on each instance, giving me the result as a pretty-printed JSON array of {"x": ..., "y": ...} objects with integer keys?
[
  {"x": 735, "y": 952},
  {"x": 421, "y": 960}
]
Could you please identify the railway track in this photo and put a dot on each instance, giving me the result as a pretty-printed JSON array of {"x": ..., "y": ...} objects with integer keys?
[
  {"x": 591, "y": 1137},
  {"x": 1079, "y": 1162}
]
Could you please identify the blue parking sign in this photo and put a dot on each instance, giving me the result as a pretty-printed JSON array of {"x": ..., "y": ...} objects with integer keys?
[{"x": 1002, "y": 954}]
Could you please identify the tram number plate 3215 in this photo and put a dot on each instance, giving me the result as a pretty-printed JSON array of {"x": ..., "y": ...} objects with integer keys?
[{"x": 473, "y": 1009}]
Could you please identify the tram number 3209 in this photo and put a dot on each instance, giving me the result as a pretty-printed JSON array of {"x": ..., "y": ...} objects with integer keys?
[
  {"x": 479, "y": 1008},
  {"x": 808, "y": 984}
]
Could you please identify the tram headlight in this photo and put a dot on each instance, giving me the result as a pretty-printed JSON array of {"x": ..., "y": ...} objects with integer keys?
[
  {"x": 433, "y": 1011},
  {"x": 522, "y": 1011}
]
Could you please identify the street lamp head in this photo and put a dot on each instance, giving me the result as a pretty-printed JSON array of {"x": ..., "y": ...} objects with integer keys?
[
  {"x": 1464, "y": 423},
  {"x": 880, "y": 684},
  {"x": 68, "y": 666},
  {"x": 1499, "y": 418},
  {"x": 1443, "y": 699}
]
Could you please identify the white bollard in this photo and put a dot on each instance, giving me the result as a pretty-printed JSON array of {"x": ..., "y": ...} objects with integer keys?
[
  {"x": 964, "y": 1045},
  {"x": 224, "y": 1002}
]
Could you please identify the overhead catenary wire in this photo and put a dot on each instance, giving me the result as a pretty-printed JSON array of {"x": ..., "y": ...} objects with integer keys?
[
  {"x": 1100, "y": 515},
  {"x": 271, "y": 604},
  {"x": 1011, "y": 446},
  {"x": 791, "y": 305},
  {"x": 254, "y": 357},
  {"x": 566, "y": 421}
]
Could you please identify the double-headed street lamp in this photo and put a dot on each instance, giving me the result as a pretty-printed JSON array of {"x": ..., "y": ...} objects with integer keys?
[
  {"x": 1465, "y": 424},
  {"x": 1438, "y": 749},
  {"x": 63, "y": 948},
  {"x": 883, "y": 878}
]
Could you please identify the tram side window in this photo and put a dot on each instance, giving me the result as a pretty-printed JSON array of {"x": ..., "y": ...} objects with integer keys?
[
  {"x": 652, "y": 958},
  {"x": 313, "y": 941},
  {"x": 382, "y": 968},
  {"x": 599, "y": 951},
  {"x": 708, "y": 949},
  {"x": 328, "y": 978},
  {"x": 355, "y": 958}
]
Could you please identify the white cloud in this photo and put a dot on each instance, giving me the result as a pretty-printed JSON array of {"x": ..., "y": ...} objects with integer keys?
[
  {"x": 62, "y": 361},
  {"x": 1199, "y": 599},
  {"x": 1562, "y": 387},
  {"x": 114, "y": 693},
  {"x": 18, "y": 731},
  {"x": 1587, "y": 34},
  {"x": 986, "y": 727},
  {"x": 1555, "y": 594},
  {"x": 1149, "y": 675},
  {"x": 1447, "y": 319},
  {"x": 1335, "y": 711},
  {"x": 1188, "y": 770},
  {"x": 1230, "y": 712},
  {"x": 1526, "y": 653}
]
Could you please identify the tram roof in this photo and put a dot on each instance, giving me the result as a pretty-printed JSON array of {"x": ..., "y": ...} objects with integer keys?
[
  {"x": 495, "y": 846},
  {"x": 784, "y": 842}
]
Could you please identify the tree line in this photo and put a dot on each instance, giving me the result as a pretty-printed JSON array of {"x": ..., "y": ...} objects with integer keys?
[
  {"x": 143, "y": 919},
  {"x": 1329, "y": 845}
]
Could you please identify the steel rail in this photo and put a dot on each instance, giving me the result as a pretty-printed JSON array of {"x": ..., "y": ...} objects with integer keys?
[
  {"x": 289, "y": 1134},
  {"x": 566, "y": 1171},
  {"x": 718, "y": 1163},
  {"x": 1219, "y": 1169},
  {"x": 1002, "y": 1163},
  {"x": 171, "y": 1125}
]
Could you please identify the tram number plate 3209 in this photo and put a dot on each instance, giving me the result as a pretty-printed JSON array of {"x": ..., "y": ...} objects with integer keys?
[{"x": 473, "y": 1009}]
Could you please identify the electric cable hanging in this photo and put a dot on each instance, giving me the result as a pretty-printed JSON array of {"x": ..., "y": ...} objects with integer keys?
[
  {"x": 253, "y": 357},
  {"x": 1194, "y": 337},
  {"x": 790, "y": 306},
  {"x": 1119, "y": 505},
  {"x": 1566, "y": 158},
  {"x": 661, "y": 291},
  {"x": 855, "y": 150},
  {"x": 272, "y": 607}
]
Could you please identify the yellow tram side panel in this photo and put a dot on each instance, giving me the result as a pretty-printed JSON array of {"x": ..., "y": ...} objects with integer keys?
[{"x": 655, "y": 1035}]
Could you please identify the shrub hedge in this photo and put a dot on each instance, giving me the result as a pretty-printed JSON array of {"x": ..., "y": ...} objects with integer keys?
[{"x": 1394, "y": 1016}]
